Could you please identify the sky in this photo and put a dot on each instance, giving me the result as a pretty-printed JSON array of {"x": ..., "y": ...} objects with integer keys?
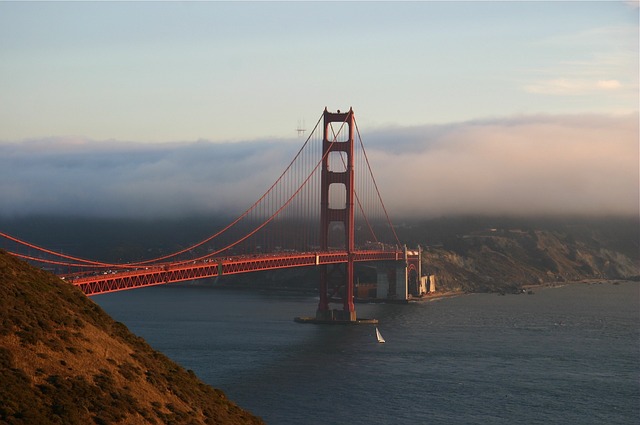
[{"x": 142, "y": 108}]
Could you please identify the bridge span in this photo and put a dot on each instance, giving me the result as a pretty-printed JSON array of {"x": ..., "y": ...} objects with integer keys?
[
  {"x": 123, "y": 279},
  {"x": 325, "y": 211}
]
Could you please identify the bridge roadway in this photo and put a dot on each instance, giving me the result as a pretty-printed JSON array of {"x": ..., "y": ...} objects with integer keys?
[{"x": 123, "y": 279}]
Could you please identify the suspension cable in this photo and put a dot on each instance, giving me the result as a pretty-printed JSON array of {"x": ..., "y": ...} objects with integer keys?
[
  {"x": 92, "y": 263},
  {"x": 274, "y": 215},
  {"x": 355, "y": 192},
  {"x": 376, "y": 187}
]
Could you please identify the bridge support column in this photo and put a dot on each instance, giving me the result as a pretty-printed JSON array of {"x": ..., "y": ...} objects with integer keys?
[
  {"x": 399, "y": 280},
  {"x": 392, "y": 281},
  {"x": 337, "y": 176}
]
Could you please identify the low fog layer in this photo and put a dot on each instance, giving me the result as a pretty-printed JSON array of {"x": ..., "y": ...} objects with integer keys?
[{"x": 578, "y": 164}]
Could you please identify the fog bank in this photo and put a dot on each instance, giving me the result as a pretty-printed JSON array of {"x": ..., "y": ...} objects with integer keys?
[{"x": 577, "y": 164}]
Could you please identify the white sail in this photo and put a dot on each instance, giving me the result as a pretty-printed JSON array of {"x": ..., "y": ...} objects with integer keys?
[{"x": 380, "y": 338}]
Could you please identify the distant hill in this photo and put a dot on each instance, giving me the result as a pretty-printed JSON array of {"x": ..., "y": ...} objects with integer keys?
[
  {"x": 63, "y": 360},
  {"x": 503, "y": 255}
]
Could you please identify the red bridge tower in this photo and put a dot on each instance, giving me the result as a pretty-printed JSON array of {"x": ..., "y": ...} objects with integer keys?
[{"x": 336, "y": 283}]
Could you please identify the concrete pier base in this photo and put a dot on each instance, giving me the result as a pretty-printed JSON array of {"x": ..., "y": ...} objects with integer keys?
[
  {"x": 316, "y": 321},
  {"x": 335, "y": 315}
]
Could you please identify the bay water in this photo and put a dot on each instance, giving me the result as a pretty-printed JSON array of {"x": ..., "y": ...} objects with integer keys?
[{"x": 563, "y": 355}]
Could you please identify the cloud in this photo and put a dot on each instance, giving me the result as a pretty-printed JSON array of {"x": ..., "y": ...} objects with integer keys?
[
  {"x": 573, "y": 87},
  {"x": 600, "y": 61},
  {"x": 609, "y": 84},
  {"x": 110, "y": 178},
  {"x": 574, "y": 164},
  {"x": 578, "y": 164}
]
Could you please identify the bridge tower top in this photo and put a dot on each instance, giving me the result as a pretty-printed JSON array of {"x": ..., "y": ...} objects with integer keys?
[{"x": 338, "y": 171}]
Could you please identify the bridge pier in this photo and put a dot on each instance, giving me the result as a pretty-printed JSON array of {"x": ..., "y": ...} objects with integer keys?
[
  {"x": 398, "y": 280},
  {"x": 335, "y": 315},
  {"x": 392, "y": 281},
  {"x": 336, "y": 284}
]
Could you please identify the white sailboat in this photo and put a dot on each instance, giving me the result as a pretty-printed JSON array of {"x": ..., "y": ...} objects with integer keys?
[{"x": 379, "y": 336}]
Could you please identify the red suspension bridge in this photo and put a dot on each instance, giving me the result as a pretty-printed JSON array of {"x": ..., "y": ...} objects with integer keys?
[{"x": 324, "y": 210}]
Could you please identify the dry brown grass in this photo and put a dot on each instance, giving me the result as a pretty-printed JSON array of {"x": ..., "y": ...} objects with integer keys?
[{"x": 63, "y": 360}]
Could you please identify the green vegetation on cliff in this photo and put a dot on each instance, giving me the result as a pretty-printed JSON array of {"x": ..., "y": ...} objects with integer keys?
[{"x": 63, "y": 360}]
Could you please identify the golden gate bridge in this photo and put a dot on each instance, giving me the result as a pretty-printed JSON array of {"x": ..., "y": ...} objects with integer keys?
[{"x": 325, "y": 210}]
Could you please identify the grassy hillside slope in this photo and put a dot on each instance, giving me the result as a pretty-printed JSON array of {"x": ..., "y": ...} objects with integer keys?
[
  {"x": 63, "y": 360},
  {"x": 505, "y": 259}
]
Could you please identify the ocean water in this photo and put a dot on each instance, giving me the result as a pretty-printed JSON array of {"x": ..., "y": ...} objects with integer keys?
[{"x": 564, "y": 355}]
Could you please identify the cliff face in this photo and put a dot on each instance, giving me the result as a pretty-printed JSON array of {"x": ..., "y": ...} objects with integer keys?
[
  {"x": 505, "y": 260},
  {"x": 63, "y": 360}
]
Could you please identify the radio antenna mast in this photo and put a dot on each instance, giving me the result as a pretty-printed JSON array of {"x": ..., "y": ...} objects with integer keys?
[{"x": 300, "y": 129}]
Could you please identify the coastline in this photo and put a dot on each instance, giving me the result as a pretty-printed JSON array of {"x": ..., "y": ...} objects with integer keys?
[
  {"x": 594, "y": 281},
  {"x": 425, "y": 298},
  {"x": 430, "y": 297},
  {"x": 526, "y": 289},
  {"x": 437, "y": 296}
]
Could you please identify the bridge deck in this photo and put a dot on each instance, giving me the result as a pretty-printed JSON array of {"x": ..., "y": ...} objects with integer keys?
[{"x": 159, "y": 275}]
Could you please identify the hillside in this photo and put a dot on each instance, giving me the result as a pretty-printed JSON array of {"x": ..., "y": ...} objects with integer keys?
[
  {"x": 63, "y": 360},
  {"x": 511, "y": 255}
]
